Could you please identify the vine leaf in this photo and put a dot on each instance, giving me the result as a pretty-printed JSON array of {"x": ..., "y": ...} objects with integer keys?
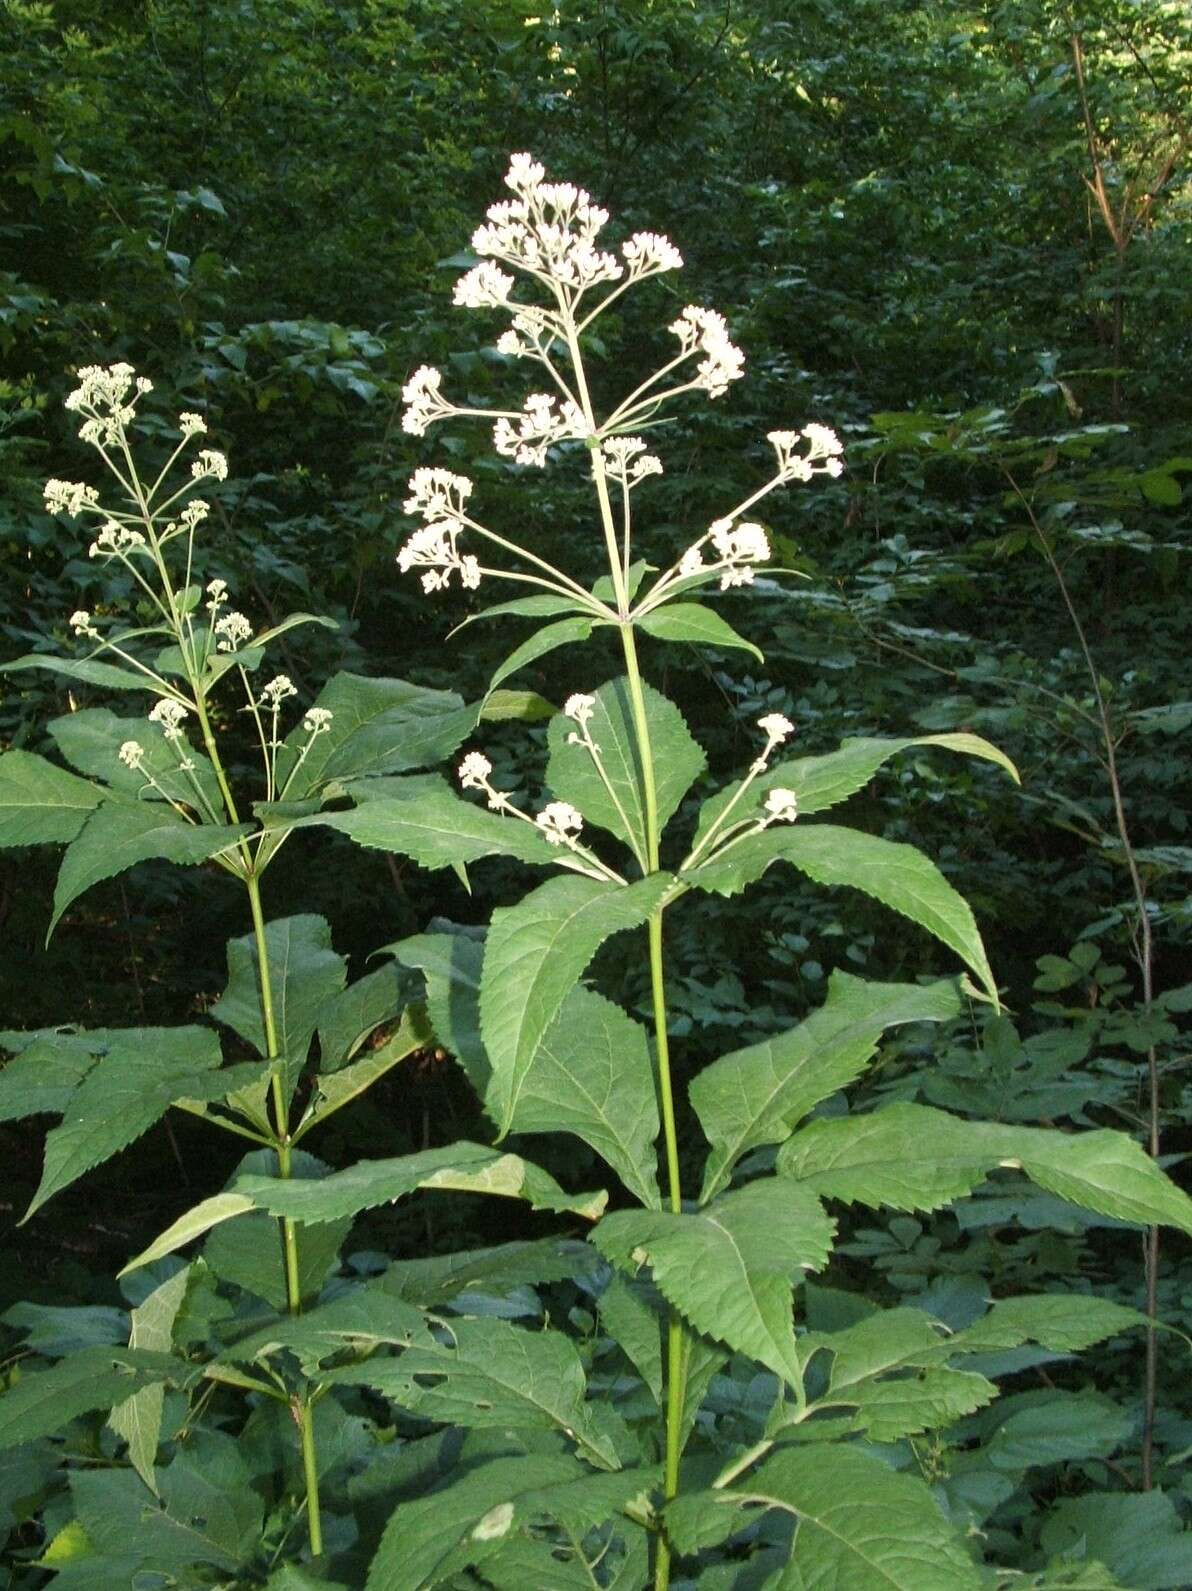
[
  {"x": 534, "y": 954},
  {"x": 757, "y": 1095},
  {"x": 572, "y": 775},
  {"x": 913, "y": 1157},
  {"x": 730, "y": 1269},
  {"x": 897, "y": 875}
]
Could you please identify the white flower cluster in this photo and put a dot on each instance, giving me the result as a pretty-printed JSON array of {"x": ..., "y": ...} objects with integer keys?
[
  {"x": 649, "y": 252},
  {"x": 424, "y": 401},
  {"x": 626, "y": 460},
  {"x": 485, "y": 286},
  {"x": 704, "y": 331},
  {"x": 80, "y": 623},
  {"x": 543, "y": 422},
  {"x": 317, "y": 721},
  {"x": 102, "y": 395},
  {"x": 217, "y": 590},
  {"x": 782, "y": 806},
  {"x": 738, "y": 548},
  {"x": 115, "y": 541},
  {"x": 473, "y": 774},
  {"x": 210, "y": 463},
  {"x": 278, "y": 690},
  {"x": 192, "y": 424},
  {"x": 823, "y": 449},
  {"x": 560, "y": 822},
  {"x": 69, "y": 497},
  {"x": 169, "y": 714},
  {"x": 233, "y": 630},
  {"x": 439, "y": 497},
  {"x": 132, "y": 754}
]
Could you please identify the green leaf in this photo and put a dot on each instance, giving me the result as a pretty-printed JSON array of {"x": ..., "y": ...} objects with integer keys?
[
  {"x": 104, "y": 674},
  {"x": 193, "y": 1223},
  {"x": 491, "y": 1374},
  {"x": 912, "y": 1157},
  {"x": 690, "y": 621},
  {"x": 573, "y": 777},
  {"x": 860, "y": 1524},
  {"x": 451, "y": 965},
  {"x": 540, "y": 606},
  {"x": 628, "y": 1318},
  {"x": 90, "y": 741},
  {"x": 41, "y": 804},
  {"x": 730, "y": 1269},
  {"x": 534, "y": 954},
  {"x": 379, "y": 726},
  {"x": 119, "y": 834},
  {"x": 138, "y": 1418},
  {"x": 43, "y": 1401},
  {"x": 524, "y": 707},
  {"x": 548, "y": 639},
  {"x": 370, "y": 1316},
  {"x": 44, "y": 1075},
  {"x": 592, "y": 1075},
  {"x": 434, "y": 1539},
  {"x": 897, "y": 875},
  {"x": 423, "y": 818},
  {"x": 332, "y": 1091},
  {"x": 304, "y": 974},
  {"x": 121, "y": 1097},
  {"x": 825, "y": 781},
  {"x": 1058, "y": 1427},
  {"x": 436, "y": 1279},
  {"x": 1062, "y": 1322},
  {"x": 349, "y": 1017},
  {"x": 757, "y": 1095},
  {"x": 1139, "y": 1535}
]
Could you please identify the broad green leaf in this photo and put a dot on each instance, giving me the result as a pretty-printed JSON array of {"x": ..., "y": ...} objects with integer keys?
[
  {"x": 861, "y": 1525},
  {"x": 121, "y": 1097},
  {"x": 534, "y": 955},
  {"x": 423, "y": 818},
  {"x": 897, "y": 875},
  {"x": 757, "y": 1095},
  {"x": 106, "y": 675},
  {"x": 90, "y": 741},
  {"x": 436, "y": 1279},
  {"x": 463, "y": 1167},
  {"x": 490, "y": 1374},
  {"x": 56, "y": 1330},
  {"x": 1138, "y": 1535},
  {"x": 304, "y": 973},
  {"x": 548, "y": 639},
  {"x": 332, "y": 1091},
  {"x": 731, "y": 1268},
  {"x": 691, "y": 621},
  {"x": 540, "y": 606},
  {"x": 1058, "y": 1427},
  {"x": 378, "y": 726},
  {"x": 350, "y": 1016},
  {"x": 1063, "y": 1322},
  {"x": 43, "y": 1075},
  {"x": 825, "y": 781},
  {"x": 119, "y": 834},
  {"x": 628, "y": 1318},
  {"x": 196, "y": 1221},
  {"x": 138, "y": 1418},
  {"x": 42, "y": 1402},
  {"x": 523, "y": 707},
  {"x": 451, "y": 965},
  {"x": 592, "y": 1075},
  {"x": 370, "y": 1316},
  {"x": 434, "y": 1539},
  {"x": 573, "y": 777},
  {"x": 889, "y": 1409},
  {"x": 41, "y": 804},
  {"x": 912, "y": 1157}
]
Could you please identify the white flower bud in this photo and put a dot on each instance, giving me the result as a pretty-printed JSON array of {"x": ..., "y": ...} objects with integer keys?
[{"x": 782, "y": 806}]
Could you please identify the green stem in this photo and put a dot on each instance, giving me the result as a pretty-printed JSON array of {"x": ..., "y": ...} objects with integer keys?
[{"x": 310, "y": 1471}]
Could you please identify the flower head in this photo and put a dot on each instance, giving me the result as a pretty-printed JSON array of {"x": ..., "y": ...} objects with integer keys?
[
  {"x": 823, "y": 449},
  {"x": 169, "y": 714},
  {"x": 115, "y": 541},
  {"x": 233, "y": 630},
  {"x": 548, "y": 229},
  {"x": 543, "y": 422},
  {"x": 69, "y": 497},
  {"x": 317, "y": 721},
  {"x": 433, "y": 548},
  {"x": 559, "y": 822},
  {"x": 217, "y": 590},
  {"x": 437, "y": 494},
  {"x": 424, "y": 401},
  {"x": 782, "y": 806},
  {"x": 704, "y": 331},
  {"x": 739, "y": 546},
  {"x": 474, "y": 771},
  {"x": 580, "y": 707},
  {"x": 132, "y": 754},
  {"x": 80, "y": 623},
  {"x": 210, "y": 463},
  {"x": 647, "y": 253},
  {"x": 192, "y": 424},
  {"x": 278, "y": 690},
  {"x": 776, "y": 727},
  {"x": 485, "y": 286}
]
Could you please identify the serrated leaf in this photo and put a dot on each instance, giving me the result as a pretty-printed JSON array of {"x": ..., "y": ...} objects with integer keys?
[
  {"x": 1062, "y": 1322},
  {"x": 592, "y": 1075},
  {"x": 370, "y": 1316},
  {"x": 378, "y": 726},
  {"x": 491, "y": 1374},
  {"x": 138, "y": 1418},
  {"x": 1061, "y": 1426},
  {"x": 436, "y": 1279},
  {"x": 524, "y": 707},
  {"x": 122, "y": 1095},
  {"x": 824, "y": 781},
  {"x": 628, "y": 1318},
  {"x": 534, "y": 954},
  {"x": 912, "y": 1157},
  {"x": 567, "y": 632},
  {"x": 757, "y": 1095},
  {"x": 349, "y": 1017},
  {"x": 433, "y": 1539},
  {"x": 119, "y": 834},
  {"x": 731, "y": 1268},
  {"x": 104, "y": 674},
  {"x": 41, "y": 804},
  {"x": 691, "y": 621},
  {"x": 90, "y": 740},
  {"x": 860, "y": 1524},
  {"x": 1139, "y": 1535},
  {"x": 897, "y": 875},
  {"x": 193, "y": 1223},
  {"x": 332, "y": 1091},
  {"x": 573, "y": 777},
  {"x": 451, "y": 965},
  {"x": 44, "y": 1074},
  {"x": 42, "y": 1402}
]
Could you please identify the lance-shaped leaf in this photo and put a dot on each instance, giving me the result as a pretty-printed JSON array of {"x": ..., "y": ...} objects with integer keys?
[
  {"x": 371, "y": 1316},
  {"x": 49, "y": 1065},
  {"x": 860, "y": 1523},
  {"x": 378, "y": 726},
  {"x": 88, "y": 673},
  {"x": 572, "y": 775},
  {"x": 138, "y": 1418},
  {"x": 41, "y": 804},
  {"x": 1062, "y": 1322},
  {"x": 42, "y": 1402},
  {"x": 897, "y": 875},
  {"x": 757, "y": 1095},
  {"x": 912, "y": 1157},
  {"x": 592, "y": 1075},
  {"x": 824, "y": 781},
  {"x": 433, "y": 1540},
  {"x": 534, "y": 955},
  {"x": 731, "y": 1268},
  {"x": 492, "y": 1374},
  {"x": 123, "y": 1094},
  {"x": 334, "y": 1090},
  {"x": 548, "y": 639},
  {"x": 90, "y": 741},
  {"x": 119, "y": 834},
  {"x": 350, "y": 1017},
  {"x": 451, "y": 964},
  {"x": 423, "y": 818},
  {"x": 691, "y": 621}
]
